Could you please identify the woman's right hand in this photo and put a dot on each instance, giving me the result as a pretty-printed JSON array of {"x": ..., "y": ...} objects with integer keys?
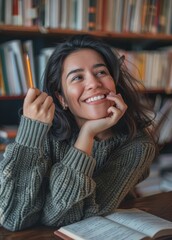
[{"x": 38, "y": 106}]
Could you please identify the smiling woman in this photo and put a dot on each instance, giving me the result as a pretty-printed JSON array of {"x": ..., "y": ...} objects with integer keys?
[
  {"x": 86, "y": 84},
  {"x": 83, "y": 142}
]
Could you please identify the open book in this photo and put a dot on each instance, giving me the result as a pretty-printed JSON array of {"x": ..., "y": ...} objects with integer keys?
[{"x": 130, "y": 224}]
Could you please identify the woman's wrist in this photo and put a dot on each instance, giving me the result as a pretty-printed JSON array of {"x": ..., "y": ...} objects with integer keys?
[{"x": 85, "y": 141}]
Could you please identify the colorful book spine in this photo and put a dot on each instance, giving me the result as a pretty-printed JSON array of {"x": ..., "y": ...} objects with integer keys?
[{"x": 92, "y": 15}]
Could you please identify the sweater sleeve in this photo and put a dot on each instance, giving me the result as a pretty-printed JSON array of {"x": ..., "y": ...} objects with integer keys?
[
  {"x": 126, "y": 168},
  {"x": 24, "y": 197},
  {"x": 70, "y": 182},
  {"x": 21, "y": 176}
]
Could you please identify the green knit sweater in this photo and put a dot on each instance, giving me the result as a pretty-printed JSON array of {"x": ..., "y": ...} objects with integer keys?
[{"x": 46, "y": 181}]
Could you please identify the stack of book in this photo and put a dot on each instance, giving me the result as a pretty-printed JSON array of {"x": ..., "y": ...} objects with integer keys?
[
  {"x": 100, "y": 15},
  {"x": 160, "y": 177},
  {"x": 165, "y": 163},
  {"x": 13, "y": 54},
  {"x": 7, "y": 135}
]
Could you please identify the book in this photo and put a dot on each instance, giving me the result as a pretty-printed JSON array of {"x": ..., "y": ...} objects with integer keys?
[
  {"x": 42, "y": 60},
  {"x": 27, "y": 12},
  {"x": 65, "y": 13},
  {"x": 8, "y": 131},
  {"x": 8, "y": 12},
  {"x": 17, "y": 49},
  {"x": 92, "y": 11},
  {"x": 4, "y": 71},
  {"x": 55, "y": 13},
  {"x": 2, "y": 87},
  {"x": 7, "y": 135},
  {"x": 122, "y": 224},
  {"x": 17, "y": 12},
  {"x": 11, "y": 79}
]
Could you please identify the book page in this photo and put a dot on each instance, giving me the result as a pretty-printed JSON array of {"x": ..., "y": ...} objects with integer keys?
[
  {"x": 99, "y": 228},
  {"x": 141, "y": 221}
]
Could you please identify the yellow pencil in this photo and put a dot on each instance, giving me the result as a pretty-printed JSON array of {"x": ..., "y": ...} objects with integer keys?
[{"x": 29, "y": 71}]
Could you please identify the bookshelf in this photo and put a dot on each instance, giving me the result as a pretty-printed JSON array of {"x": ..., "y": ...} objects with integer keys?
[
  {"x": 131, "y": 26},
  {"x": 9, "y": 30},
  {"x": 42, "y": 39}
]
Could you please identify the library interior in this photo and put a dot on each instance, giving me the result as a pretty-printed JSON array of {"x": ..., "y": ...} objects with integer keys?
[{"x": 141, "y": 30}]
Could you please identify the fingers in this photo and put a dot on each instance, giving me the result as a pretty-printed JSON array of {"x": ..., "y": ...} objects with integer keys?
[
  {"x": 119, "y": 103},
  {"x": 32, "y": 95},
  {"x": 47, "y": 103},
  {"x": 50, "y": 114},
  {"x": 42, "y": 99},
  {"x": 118, "y": 109},
  {"x": 39, "y": 106},
  {"x": 38, "y": 98}
]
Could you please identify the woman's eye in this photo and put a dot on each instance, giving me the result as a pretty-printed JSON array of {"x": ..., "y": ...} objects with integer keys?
[
  {"x": 100, "y": 73},
  {"x": 77, "y": 78}
]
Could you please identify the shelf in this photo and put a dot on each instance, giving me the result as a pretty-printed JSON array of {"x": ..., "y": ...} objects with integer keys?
[
  {"x": 161, "y": 91},
  {"x": 39, "y": 30},
  {"x": 2, "y": 98}
]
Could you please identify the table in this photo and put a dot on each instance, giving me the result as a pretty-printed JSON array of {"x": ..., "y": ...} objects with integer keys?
[{"x": 159, "y": 204}]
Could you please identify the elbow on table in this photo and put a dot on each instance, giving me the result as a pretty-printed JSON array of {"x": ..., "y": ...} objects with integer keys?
[{"x": 13, "y": 223}]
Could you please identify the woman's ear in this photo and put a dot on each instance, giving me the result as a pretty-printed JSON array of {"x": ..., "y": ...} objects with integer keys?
[{"x": 61, "y": 100}]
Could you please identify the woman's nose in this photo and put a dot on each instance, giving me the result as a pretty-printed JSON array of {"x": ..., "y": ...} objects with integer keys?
[{"x": 93, "y": 82}]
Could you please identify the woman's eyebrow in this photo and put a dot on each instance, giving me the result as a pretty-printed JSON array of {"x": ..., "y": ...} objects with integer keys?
[
  {"x": 74, "y": 71},
  {"x": 99, "y": 65}
]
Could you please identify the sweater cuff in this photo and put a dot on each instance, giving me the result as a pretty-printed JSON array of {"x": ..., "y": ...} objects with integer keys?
[
  {"x": 80, "y": 161},
  {"x": 31, "y": 132}
]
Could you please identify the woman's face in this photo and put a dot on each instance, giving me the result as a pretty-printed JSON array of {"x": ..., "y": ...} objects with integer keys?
[{"x": 86, "y": 82}]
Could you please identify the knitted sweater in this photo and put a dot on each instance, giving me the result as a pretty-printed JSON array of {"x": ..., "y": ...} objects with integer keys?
[{"x": 46, "y": 181}]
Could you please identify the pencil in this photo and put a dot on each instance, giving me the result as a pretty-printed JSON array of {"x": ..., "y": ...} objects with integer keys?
[{"x": 30, "y": 79}]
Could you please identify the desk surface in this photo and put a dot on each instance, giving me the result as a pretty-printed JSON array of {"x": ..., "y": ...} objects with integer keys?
[{"x": 159, "y": 204}]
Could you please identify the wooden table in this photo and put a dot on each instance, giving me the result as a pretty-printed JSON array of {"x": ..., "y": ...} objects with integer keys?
[{"x": 159, "y": 204}]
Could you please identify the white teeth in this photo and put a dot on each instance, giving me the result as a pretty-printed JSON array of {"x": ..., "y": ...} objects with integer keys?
[{"x": 92, "y": 99}]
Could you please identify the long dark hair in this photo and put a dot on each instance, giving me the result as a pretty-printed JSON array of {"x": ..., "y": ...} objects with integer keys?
[{"x": 64, "y": 125}]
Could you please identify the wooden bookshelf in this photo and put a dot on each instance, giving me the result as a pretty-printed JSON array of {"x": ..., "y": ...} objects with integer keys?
[
  {"x": 18, "y": 97},
  {"x": 43, "y": 32}
]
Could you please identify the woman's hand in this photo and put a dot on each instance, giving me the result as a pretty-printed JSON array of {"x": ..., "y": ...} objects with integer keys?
[
  {"x": 115, "y": 112},
  {"x": 38, "y": 106},
  {"x": 93, "y": 128}
]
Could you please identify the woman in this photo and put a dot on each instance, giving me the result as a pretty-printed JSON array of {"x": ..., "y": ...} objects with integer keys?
[{"x": 82, "y": 144}]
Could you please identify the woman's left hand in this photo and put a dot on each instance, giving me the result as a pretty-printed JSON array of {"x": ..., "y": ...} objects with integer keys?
[
  {"x": 92, "y": 128},
  {"x": 115, "y": 113}
]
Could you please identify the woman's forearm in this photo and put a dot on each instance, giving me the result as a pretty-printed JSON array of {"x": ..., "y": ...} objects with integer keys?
[
  {"x": 21, "y": 197},
  {"x": 70, "y": 183}
]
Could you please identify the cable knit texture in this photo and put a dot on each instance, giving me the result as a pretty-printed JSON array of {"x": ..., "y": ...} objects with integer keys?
[{"x": 46, "y": 181}]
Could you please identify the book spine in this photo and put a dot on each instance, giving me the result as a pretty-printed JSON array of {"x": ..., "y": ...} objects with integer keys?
[
  {"x": 92, "y": 15},
  {"x": 2, "y": 87},
  {"x": 4, "y": 71},
  {"x": 17, "y": 12}
]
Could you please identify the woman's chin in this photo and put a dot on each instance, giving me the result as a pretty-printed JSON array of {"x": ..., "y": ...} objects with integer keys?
[{"x": 99, "y": 116}]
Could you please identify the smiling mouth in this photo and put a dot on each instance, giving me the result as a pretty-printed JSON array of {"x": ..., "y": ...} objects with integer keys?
[{"x": 96, "y": 98}]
